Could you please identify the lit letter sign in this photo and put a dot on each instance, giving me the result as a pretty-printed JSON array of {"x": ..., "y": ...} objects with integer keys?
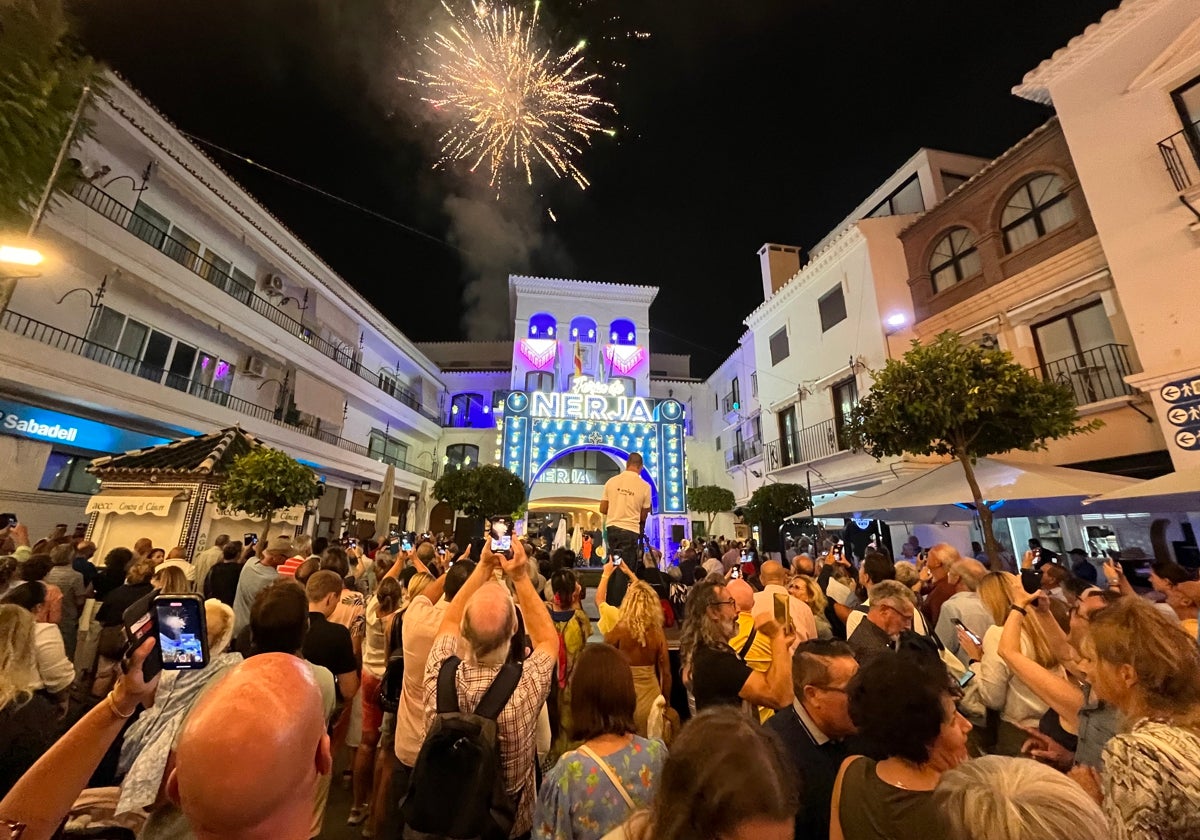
[
  {"x": 587, "y": 385},
  {"x": 579, "y": 407}
]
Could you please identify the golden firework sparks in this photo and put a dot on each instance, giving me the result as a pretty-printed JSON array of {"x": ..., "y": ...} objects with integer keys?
[{"x": 513, "y": 101}]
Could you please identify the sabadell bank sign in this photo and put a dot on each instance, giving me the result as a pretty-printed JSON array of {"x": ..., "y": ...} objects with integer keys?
[{"x": 42, "y": 424}]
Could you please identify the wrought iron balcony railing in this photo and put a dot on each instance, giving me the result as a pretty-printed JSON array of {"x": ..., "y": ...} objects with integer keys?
[
  {"x": 145, "y": 230},
  {"x": 1093, "y": 375},
  {"x": 21, "y": 325},
  {"x": 808, "y": 444},
  {"x": 1181, "y": 155}
]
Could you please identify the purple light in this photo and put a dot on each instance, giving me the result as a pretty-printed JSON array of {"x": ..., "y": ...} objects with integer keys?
[{"x": 222, "y": 370}]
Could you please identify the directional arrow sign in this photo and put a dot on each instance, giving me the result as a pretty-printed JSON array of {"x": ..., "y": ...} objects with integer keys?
[{"x": 1187, "y": 440}]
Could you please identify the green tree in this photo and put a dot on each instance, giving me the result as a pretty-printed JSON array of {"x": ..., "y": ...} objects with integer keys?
[
  {"x": 710, "y": 500},
  {"x": 770, "y": 505},
  {"x": 953, "y": 398},
  {"x": 481, "y": 491},
  {"x": 264, "y": 481},
  {"x": 42, "y": 77}
]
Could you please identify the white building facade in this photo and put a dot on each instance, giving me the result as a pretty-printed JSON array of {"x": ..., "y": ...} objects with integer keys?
[{"x": 173, "y": 303}]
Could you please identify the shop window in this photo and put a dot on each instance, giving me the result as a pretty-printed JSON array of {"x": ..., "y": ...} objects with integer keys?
[{"x": 67, "y": 473}]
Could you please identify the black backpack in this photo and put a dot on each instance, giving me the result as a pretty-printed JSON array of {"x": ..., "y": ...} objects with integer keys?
[
  {"x": 392, "y": 682},
  {"x": 457, "y": 785}
]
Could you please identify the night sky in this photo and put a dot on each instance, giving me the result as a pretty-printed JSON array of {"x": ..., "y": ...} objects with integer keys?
[{"x": 740, "y": 123}]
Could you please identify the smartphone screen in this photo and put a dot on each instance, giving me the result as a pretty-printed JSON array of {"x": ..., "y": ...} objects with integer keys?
[
  {"x": 182, "y": 631},
  {"x": 406, "y": 544},
  {"x": 616, "y": 559},
  {"x": 974, "y": 638},
  {"x": 501, "y": 533},
  {"x": 1031, "y": 580},
  {"x": 966, "y": 678},
  {"x": 781, "y": 608},
  {"x": 736, "y": 573},
  {"x": 249, "y": 539}
]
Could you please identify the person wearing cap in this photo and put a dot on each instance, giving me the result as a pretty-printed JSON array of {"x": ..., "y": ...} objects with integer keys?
[{"x": 257, "y": 574}]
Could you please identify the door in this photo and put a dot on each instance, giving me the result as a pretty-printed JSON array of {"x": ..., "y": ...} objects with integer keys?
[
  {"x": 179, "y": 373},
  {"x": 154, "y": 357},
  {"x": 845, "y": 397},
  {"x": 1078, "y": 350}
]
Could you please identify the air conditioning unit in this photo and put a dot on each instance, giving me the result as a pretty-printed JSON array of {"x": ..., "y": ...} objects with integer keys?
[
  {"x": 254, "y": 366},
  {"x": 273, "y": 284}
]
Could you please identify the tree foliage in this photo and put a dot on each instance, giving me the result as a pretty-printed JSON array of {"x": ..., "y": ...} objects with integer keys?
[
  {"x": 958, "y": 399},
  {"x": 710, "y": 499},
  {"x": 42, "y": 76},
  {"x": 770, "y": 504},
  {"x": 264, "y": 481},
  {"x": 481, "y": 491}
]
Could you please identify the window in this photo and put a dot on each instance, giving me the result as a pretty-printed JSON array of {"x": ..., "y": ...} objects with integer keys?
[
  {"x": 539, "y": 380},
  {"x": 215, "y": 269},
  {"x": 542, "y": 325},
  {"x": 622, "y": 331},
  {"x": 467, "y": 410},
  {"x": 148, "y": 225},
  {"x": 789, "y": 438},
  {"x": 387, "y": 449},
  {"x": 212, "y": 379},
  {"x": 183, "y": 248},
  {"x": 906, "y": 198},
  {"x": 67, "y": 473},
  {"x": 583, "y": 330},
  {"x": 954, "y": 259},
  {"x": 736, "y": 390},
  {"x": 845, "y": 397},
  {"x": 718, "y": 442},
  {"x": 461, "y": 456},
  {"x": 242, "y": 286},
  {"x": 779, "y": 345},
  {"x": 754, "y": 384},
  {"x": 1037, "y": 208},
  {"x": 628, "y": 381},
  {"x": 179, "y": 372},
  {"x": 1187, "y": 103},
  {"x": 951, "y": 182},
  {"x": 832, "y": 306}
]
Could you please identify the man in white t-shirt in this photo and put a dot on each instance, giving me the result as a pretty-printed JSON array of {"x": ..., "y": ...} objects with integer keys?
[{"x": 625, "y": 505}]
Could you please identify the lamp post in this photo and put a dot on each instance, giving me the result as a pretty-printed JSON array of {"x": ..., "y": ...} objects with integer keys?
[{"x": 893, "y": 324}]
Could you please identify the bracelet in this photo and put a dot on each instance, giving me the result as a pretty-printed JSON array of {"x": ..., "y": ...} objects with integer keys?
[
  {"x": 112, "y": 705},
  {"x": 1021, "y": 610}
]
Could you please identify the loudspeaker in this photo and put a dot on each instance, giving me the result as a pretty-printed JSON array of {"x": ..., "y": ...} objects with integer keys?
[{"x": 677, "y": 533}]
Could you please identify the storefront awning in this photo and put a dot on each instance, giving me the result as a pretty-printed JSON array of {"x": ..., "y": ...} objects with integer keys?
[
  {"x": 290, "y": 516},
  {"x": 147, "y": 502}
]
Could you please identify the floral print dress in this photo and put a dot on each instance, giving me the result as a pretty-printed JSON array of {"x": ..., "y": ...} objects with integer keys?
[
  {"x": 577, "y": 800},
  {"x": 1152, "y": 783}
]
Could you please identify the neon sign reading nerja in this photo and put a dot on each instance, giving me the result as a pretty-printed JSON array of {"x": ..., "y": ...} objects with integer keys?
[{"x": 590, "y": 407}]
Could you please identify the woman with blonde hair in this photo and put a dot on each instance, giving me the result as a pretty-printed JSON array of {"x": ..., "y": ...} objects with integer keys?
[
  {"x": 995, "y": 685},
  {"x": 29, "y": 723},
  {"x": 809, "y": 591},
  {"x": 639, "y": 635},
  {"x": 171, "y": 580},
  {"x": 1142, "y": 663}
]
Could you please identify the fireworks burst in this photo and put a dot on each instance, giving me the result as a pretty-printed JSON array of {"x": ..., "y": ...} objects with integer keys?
[{"x": 513, "y": 101}]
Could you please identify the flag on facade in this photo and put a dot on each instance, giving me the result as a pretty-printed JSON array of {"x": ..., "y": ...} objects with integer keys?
[{"x": 578, "y": 358}]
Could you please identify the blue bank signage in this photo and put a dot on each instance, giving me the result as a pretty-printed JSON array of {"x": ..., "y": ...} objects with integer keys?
[
  {"x": 29, "y": 421},
  {"x": 1183, "y": 411}
]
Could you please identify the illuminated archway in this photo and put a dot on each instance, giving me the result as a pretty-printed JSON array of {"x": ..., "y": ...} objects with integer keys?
[{"x": 619, "y": 455}]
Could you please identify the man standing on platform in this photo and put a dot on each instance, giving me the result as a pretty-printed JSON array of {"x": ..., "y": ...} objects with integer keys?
[{"x": 625, "y": 504}]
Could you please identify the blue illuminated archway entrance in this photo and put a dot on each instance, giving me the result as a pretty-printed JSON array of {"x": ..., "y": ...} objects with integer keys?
[
  {"x": 621, "y": 455},
  {"x": 540, "y": 427}
]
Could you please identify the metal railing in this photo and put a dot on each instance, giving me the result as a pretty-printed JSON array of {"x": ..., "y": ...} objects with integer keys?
[
  {"x": 747, "y": 450},
  {"x": 808, "y": 444},
  {"x": 1181, "y": 155},
  {"x": 145, "y": 230},
  {"x": 1093, "y": 375},
  {"x": 26, "y": 327}
]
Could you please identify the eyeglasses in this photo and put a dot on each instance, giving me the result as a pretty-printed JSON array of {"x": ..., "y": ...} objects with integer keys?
[{"x": 728, "y": 602}]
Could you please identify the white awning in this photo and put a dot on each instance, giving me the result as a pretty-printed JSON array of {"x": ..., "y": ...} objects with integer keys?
[
  {"x": 289, "y": 516},
  {"x": 344, "y": 326},
  {"x": 147, "y": 502},
  {"x": 315, "y": 397}
]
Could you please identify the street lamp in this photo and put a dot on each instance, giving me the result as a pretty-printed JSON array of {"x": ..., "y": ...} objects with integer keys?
[
  {"x": 13, "y": 255},
  {"x": 893, "y": 324}
]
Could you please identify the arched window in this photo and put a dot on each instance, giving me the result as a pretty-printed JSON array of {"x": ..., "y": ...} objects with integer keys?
[
  {"x": 622, "y": 331},
  {"x": 1038, "y": 207},
  {"x": 467, "y": 410},
  {"x": 583, "y": 330},
  {"x": 542, "y": 325},
  {"x": 461, "y": 456},
  {"x": 954, "y": 259}
]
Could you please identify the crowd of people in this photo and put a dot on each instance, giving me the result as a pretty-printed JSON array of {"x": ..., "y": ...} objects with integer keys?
[{"x": 473, "y": 693}]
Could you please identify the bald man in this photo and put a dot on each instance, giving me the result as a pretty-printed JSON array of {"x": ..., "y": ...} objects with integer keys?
[
  {"x": 774, "y": 577},
  {"x": 251, "y": 751},
  {"x": 484, "y": 615}
]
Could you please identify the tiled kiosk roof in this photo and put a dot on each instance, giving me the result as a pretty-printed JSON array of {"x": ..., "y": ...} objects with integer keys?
[{"x": 192, "y": 457}]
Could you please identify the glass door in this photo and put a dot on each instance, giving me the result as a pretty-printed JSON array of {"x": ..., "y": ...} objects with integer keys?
[
  {"x": 179, "y": 374},
  {"x": 154, "y": 357}
]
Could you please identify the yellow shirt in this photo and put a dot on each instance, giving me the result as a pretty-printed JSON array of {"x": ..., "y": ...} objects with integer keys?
[{"x": 758, "y": 657}]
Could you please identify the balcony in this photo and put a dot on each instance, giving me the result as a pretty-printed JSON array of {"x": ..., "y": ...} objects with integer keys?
[
  {"x": 730, "y": 404},
  {"x": 53, "y": 337},
  {"x": 1094, "y": 375},
  {"x": 1181, "y": 153},
  {"x": 154, "y": 236},
  {"x": 808, "y": 444},
  {"x": 743, "y": 452}
]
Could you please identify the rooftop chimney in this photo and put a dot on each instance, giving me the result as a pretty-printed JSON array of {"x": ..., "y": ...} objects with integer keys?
[{"x": 779, "y": 264}]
